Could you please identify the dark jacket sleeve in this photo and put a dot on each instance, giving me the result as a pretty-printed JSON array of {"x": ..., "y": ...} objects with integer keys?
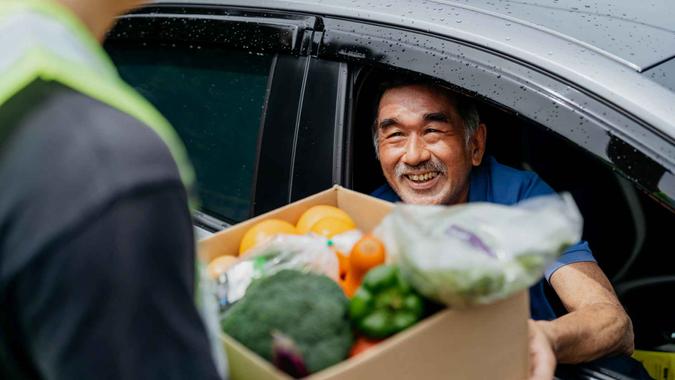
[{"x": 114, "y": 300}]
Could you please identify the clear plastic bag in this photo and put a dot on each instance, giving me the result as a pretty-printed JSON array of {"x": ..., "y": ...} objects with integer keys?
[
  {"x": 477, "y": 253},
  {"x": 299, "y": 252}
]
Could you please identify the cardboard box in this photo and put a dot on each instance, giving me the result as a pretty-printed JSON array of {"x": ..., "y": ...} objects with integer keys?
[{"x": 485, "y": 342}]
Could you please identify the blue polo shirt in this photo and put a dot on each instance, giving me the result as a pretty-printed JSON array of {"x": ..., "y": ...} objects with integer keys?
[{"x": 497, "y": 183}]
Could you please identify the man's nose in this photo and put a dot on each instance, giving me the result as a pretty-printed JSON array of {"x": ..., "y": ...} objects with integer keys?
[{"x": 416, "y": 151}]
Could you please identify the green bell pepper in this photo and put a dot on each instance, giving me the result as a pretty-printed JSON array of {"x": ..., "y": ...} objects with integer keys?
[{"x": 385, "y": 304}]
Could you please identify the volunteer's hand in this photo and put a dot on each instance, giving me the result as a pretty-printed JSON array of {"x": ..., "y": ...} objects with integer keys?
[{"x": 542, "y": 358}]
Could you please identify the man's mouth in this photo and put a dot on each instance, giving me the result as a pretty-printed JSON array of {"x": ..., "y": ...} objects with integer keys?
[{"x": 422, "y": 177}]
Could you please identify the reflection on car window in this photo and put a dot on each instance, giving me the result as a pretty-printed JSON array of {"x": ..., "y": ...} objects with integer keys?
[{"x": 214, "y": 99}]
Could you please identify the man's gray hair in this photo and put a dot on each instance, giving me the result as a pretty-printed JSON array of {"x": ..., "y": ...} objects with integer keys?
[{"x": 466, "y": 108}]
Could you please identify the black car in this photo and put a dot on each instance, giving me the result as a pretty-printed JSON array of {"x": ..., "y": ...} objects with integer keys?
[{"x": 274, "y": 101}]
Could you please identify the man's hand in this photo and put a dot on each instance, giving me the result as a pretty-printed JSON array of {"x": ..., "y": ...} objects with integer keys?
[{"x": 542, "y": 359}]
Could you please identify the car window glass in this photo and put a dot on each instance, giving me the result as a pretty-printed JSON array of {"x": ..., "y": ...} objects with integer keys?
[{"x": 214, "y": 99}]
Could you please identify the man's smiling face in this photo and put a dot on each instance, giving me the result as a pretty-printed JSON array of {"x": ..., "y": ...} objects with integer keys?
[{"x": 422, "y": 145}]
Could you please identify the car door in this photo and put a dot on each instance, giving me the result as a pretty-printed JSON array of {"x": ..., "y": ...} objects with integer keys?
[{"x": 254, "y": 106}]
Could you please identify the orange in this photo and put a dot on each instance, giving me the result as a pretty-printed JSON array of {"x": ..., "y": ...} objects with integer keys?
[
  {"x": 331, "y": 226},
  {"x": 220, "y": 264},
  {"x": 314, "y": 214},
  {"x": 264, "y": 231}
]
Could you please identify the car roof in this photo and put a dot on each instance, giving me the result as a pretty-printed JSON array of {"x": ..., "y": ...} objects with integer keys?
[
  {"x": 611, "y": 48},
  {"x": 639, "y": 34}
]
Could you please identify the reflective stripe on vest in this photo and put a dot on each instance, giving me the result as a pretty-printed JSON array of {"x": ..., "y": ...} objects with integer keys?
[{"x": 40, "y": 40}]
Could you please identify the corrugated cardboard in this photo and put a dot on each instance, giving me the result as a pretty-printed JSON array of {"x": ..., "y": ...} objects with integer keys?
[{"x": 487, "y": 342}]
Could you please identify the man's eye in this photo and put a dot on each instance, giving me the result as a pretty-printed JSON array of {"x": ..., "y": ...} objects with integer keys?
[
  {"x": 394, "y": 134},
  {"x": 432, "y": 130}
]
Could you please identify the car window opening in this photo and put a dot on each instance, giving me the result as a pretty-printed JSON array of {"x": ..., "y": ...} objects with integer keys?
[{"x": 623, "y": 225}]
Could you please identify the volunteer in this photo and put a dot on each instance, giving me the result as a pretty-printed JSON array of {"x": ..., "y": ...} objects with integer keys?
[
  {"x": 97, "y": 255},
  {"x": 430, "y": 144}
]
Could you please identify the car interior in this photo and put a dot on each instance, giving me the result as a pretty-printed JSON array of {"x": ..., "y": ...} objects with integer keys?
[{"x": 625, "y": 228}]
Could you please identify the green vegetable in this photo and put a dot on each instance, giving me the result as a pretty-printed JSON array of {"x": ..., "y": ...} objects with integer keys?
[
  {"x": 306, "y": 312},
  {"x": 385, "y": 304}
]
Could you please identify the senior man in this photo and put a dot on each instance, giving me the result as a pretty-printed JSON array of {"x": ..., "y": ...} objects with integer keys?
[{"x": 431, "y": 144}]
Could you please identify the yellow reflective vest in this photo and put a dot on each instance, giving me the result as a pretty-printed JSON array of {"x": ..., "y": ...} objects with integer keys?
[{"x": 40, "y": 40}]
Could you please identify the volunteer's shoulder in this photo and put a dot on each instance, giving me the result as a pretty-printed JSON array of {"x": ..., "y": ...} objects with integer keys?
[
  {"x": 69, "y": 158},
  {"x": 106, "y": 147}
]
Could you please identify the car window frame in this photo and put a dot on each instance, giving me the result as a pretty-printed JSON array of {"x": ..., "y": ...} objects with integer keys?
[
  {"x": 289, "y": 37},
  {"x": 609, "y": 133}
]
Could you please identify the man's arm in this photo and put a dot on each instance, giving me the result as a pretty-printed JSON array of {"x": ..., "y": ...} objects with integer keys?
[
  {"x": 113, "y": 299},
  {"x": 596, "y": 324}
]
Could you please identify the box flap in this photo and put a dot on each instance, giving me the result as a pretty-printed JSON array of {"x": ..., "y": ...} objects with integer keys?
[
  {"x": 366, "y": 211},
  {"x": 226, "y": 242}
]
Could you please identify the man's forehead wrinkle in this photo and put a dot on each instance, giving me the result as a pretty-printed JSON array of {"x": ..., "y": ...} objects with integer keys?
[
  {"x": 403, "y": 113},
  {"x": 414, "y": 119},
  {"x": 423, "y": 99}
]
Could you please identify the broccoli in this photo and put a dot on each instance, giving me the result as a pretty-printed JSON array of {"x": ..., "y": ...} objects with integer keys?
[{"x": 307, "y": 310}]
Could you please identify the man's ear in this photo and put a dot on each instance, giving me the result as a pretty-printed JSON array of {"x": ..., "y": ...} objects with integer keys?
[{"x": 477, "y": 145}]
